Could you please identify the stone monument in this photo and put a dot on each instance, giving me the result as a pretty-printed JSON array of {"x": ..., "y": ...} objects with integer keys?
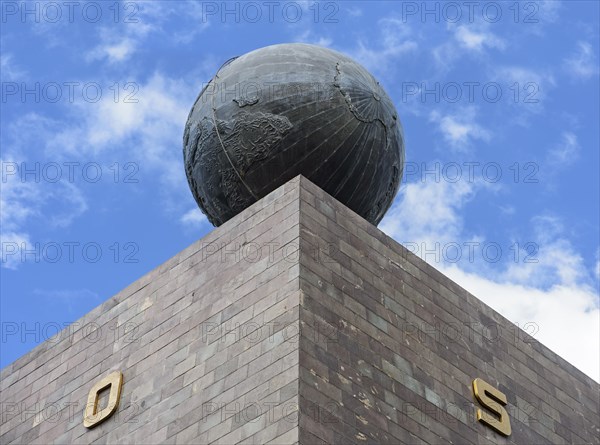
[{"x": 296, "y": 321}]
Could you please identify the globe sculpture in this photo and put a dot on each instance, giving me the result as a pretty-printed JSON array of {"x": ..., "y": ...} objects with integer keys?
[{"x": 291, "y": 109}]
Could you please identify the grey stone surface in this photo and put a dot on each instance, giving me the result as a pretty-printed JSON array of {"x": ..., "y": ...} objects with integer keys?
[
  {"x": 207, "y": 344},
  {"x": 389, "y": 348},
  {"x": 333, "y": 334}
]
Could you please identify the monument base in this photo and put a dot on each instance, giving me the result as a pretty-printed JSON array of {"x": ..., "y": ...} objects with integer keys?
[{"x": 295, "y": 322}]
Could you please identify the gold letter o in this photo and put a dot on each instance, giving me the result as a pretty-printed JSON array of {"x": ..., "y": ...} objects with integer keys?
[{"x": 91, "y": 415}]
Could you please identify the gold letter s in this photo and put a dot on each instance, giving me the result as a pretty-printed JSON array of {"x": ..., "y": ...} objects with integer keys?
[{"x": 492, "y": 399}]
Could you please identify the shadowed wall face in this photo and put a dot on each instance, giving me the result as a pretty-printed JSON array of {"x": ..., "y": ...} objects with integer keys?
[
  {"x": 295, "y": 322},
  {"x": 390, "y": 348}
]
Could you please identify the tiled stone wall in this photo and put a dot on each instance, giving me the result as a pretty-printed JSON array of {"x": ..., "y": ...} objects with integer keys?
[
  {"x": 295, "y": 322},
  {"x": 207, "y": 344},
  {"x": 390, "y": 346}
]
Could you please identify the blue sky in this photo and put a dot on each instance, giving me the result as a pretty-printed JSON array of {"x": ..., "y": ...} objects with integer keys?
[{"x": 499, "y": 103}]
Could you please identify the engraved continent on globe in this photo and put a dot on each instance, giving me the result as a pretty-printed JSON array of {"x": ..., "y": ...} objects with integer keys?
[{"x": 290, "y": 109}]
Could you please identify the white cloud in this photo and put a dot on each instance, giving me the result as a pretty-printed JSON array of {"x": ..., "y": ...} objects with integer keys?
[
  {"x": 120, "y": 42},
  {"x": 148, "y": 132},
  {"x": 463, "y": 40},
  {"x": 507, "y": 210},
  {"x": 545, "y": 12},
  {"x": 555, "y": 261},
  {"x": 11, "y": 246},
  {"x": 525, "y": 89},
  {"x": 444, "y": 55},
  {"x": 472, "y": 39},
  {"x": 582, "y": 64},
  {"x": 19, "y": 198},
  {"x": 67, "y": 298},
  {"x": 151, "y": 125},
  {"x": 460, "y": 129},
  {"x": 354, "y": 11},
  {"x": 566, "y": 315},
  {"x": 23, "y": 203},
  {"x": 521, "y": 75},
  {"x": 193, "y": 218},
  {"x": 535, "y": 18},
  {"x": 566, "y": 151},
  {"x": 27, "y": 199},
  {"x": 556, "y": 293},
  {"x": 9, "y": 70},
  {"x": 428, "y": 212},
  {"x": 26, "y": 196},
  {"x": 394, "y": 41},
  {"x": 562, "y": 154},
  {"x": 195, "y": 10},
  {"x": 117, "y": 51},
  {"x": 309, "y": 36},
  {"x": 117, "y": 46}
]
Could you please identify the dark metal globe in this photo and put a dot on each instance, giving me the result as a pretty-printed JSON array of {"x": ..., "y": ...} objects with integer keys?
[{"x": 286, "y": 110}]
